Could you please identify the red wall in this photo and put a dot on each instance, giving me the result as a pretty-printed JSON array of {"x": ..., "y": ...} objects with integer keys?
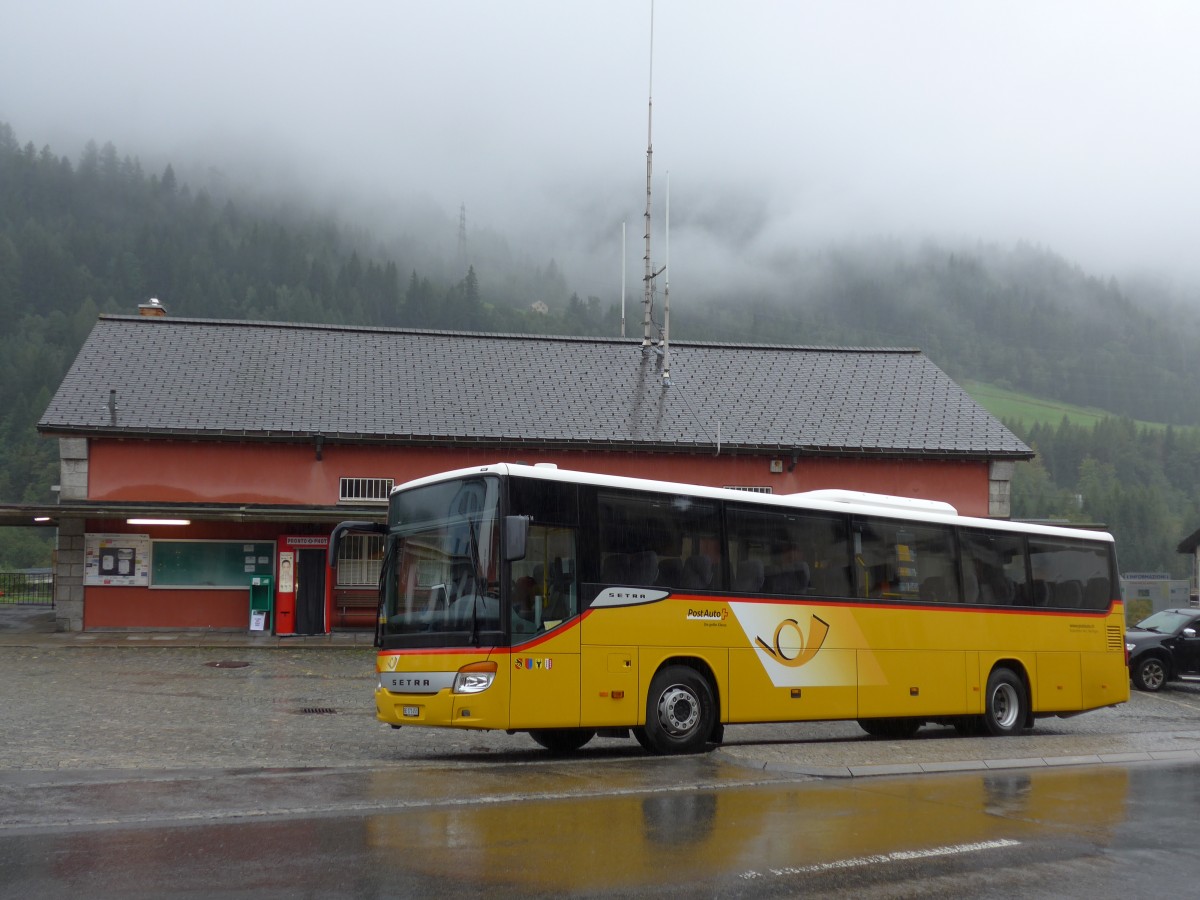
[
  {"x": 192, "y": 471},
  {"x": 179, "y": 471},
  {"x": 168, "y": 609}
]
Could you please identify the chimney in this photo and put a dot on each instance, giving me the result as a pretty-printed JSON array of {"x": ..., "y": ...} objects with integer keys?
[{"x": 153, "y": 308}]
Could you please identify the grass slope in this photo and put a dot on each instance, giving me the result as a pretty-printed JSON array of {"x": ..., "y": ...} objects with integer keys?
[{"x": 1030, "y": 410}]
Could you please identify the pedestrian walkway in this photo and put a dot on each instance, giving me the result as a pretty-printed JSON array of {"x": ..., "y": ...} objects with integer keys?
[{"x": 29, "y": 626}]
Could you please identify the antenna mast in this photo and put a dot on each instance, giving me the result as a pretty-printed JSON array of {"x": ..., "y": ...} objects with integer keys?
[
  {"x": 666, "y": 341},
  {"x": 648, "y": 276},
  {"x": 622, "y": 279},
  {"x": 462, "y": 236}
]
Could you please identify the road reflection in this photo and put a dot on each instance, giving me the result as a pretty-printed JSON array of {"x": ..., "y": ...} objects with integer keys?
[{"x": 684, "y": 835}]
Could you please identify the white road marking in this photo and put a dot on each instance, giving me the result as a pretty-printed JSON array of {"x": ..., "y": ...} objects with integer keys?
[{"x": 898, "y": 856}]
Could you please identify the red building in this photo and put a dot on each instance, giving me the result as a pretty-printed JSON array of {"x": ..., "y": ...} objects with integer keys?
[{"x": 255, "y": 438}]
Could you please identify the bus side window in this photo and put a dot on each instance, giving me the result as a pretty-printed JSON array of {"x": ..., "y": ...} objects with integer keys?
[
  {"x": 657, "y": 540},
  {"x": 1075, "y": 574},
  {"x": 550, "y": 548},
  {"x": 801, "y": 554},
  {"x": 905, "y": 561},
  {"x": 993, "y": 569}
]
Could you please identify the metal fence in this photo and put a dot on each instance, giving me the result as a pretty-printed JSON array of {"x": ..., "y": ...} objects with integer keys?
[{"x": 27, "y": 588}]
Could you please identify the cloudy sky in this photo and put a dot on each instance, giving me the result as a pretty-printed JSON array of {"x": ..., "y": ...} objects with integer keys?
[{"x": 783, "y": 125}]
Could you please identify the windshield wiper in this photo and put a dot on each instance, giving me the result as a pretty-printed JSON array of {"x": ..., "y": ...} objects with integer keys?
[{"x": 475, "y": 567}]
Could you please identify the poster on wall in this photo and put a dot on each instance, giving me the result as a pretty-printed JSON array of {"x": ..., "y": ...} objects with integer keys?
[{"x": 116, "y": 559}]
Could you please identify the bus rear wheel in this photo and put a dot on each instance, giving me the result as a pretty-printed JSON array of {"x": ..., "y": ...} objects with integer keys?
[
  {"x": 680, "y": 712},
  {"x": 1006, "y": 704},
  {"x": 562, "y": 740}
]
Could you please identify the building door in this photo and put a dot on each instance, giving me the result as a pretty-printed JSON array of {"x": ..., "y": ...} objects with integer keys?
[{"x": 310, "y": 591}]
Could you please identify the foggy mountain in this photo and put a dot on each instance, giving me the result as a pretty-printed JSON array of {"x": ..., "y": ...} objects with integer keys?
[{"x": 100, "y": 233}]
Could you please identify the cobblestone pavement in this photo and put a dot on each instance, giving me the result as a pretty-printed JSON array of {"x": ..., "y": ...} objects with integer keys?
[{"x": 189, "y": 701}]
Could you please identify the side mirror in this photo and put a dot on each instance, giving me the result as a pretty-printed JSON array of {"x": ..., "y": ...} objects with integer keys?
[
  {"x": 344, "y": 528},
  {"x": 516, "y": 535},
  {"x": 1189, "y": 632}
]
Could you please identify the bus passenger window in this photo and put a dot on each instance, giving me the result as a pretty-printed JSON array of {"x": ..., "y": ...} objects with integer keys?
[
  {"x": 909, "y": 561},
  {"x": 1072, "y": 574},
  {"x": 657, "y": 540},
  {"x": 993, "y": 568},
  {"x": 800, "y": 554}
]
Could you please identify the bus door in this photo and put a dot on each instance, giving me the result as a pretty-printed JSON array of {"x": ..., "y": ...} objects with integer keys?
[{"x": 544, "y": 623}]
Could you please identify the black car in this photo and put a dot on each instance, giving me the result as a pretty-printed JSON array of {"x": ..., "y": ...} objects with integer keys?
[{"x": 1164, "y": 647}]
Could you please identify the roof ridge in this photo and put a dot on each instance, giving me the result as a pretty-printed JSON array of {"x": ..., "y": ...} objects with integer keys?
[{"x": 159, "y": 321}]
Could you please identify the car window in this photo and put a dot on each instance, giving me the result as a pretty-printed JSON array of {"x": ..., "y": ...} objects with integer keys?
[{"x": 1168, "y": 621}]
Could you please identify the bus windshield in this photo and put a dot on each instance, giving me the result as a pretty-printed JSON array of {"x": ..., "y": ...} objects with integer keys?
[{"x": 441, "y": 570}]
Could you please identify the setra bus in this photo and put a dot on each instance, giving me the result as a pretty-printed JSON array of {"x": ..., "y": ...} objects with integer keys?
[{"x": 566, "y": 604}]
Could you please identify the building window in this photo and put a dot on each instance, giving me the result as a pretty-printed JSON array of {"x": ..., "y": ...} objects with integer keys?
[
  {"x": 360, "y": 557},
  {"x": 364, "y": 490}
]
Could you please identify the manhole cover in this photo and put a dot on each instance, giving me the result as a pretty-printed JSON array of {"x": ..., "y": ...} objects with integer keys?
[
  {"x": 228, "y": 664},
  {"x": 318, "y": 711}
]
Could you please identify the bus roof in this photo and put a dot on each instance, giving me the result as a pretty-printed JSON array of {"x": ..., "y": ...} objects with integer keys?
[{"x": 825, "y": 500}]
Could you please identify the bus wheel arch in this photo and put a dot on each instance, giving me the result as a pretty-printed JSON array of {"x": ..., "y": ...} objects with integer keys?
[
  {"x": 682, "y": 709},
  {"x": 1007, "y": 707}
]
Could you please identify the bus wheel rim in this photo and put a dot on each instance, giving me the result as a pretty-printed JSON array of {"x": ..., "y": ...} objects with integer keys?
[
  {"x": 679, "y": 709},
  {"x": 1005, "y": 705}
]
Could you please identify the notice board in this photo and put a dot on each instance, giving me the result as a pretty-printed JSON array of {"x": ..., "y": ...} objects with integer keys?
[{"x": 210, "y": 564}]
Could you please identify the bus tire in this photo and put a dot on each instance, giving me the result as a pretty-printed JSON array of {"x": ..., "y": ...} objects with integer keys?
[
  {"x": 891, "y": 728},
  {"x": 1149, "y": 674},
  {"x": 680, "y": 711},
  {"x": 1006, "y": 704},
  {"x": 562, "y": 740}
]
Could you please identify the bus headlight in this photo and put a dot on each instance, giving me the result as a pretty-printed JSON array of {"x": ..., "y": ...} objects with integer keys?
[{"x": 474, "y": 677}]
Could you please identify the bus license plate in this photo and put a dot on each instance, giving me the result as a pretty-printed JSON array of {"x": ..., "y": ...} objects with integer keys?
[{"x": 412, "y": 711}]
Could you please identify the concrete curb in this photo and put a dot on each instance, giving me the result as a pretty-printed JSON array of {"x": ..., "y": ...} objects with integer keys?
[{"x": 964, "y": 765}]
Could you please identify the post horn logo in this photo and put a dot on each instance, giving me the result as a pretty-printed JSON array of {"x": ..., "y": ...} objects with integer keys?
[{"x": 805, "y": 650}]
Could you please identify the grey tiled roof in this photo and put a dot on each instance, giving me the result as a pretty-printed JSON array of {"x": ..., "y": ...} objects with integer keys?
[{"x": 207, "y": 378}]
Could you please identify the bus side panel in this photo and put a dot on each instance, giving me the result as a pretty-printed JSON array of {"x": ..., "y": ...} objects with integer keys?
[
  {"x": 912, "y": 683},
  {"x": 544, "y": 677},
  {"x": 1105, "y": 679},
  {"x": 794, "y": 662},
  {"x": 609, "y": 693},
  {"x": 801, "y": 694},
  {"x": 1058, "y": 686}
]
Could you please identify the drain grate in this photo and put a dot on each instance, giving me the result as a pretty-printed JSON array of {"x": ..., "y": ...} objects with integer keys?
[
  {"x": 228, "y": 664},
  {"x": 318, "y": 711}
]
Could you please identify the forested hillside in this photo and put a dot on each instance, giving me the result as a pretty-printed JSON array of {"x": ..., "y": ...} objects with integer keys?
[{"x": 99, "y": 234}]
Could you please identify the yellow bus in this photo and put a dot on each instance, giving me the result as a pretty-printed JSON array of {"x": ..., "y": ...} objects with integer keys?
[{"x": 566, "y": 604}]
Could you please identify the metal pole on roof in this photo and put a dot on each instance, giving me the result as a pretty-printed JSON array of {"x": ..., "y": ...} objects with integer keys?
[
  {"x": 666, "y": 342},
  {"x": 622, "y": 279},
  {"x": 648, "y": 275}
]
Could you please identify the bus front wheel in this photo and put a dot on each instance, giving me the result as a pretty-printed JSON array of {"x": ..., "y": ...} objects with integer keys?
[
  {"x": 1006, "y": 704},
  {"x": 562, "y": 740},
  {"x": 680, "y": 712}
]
